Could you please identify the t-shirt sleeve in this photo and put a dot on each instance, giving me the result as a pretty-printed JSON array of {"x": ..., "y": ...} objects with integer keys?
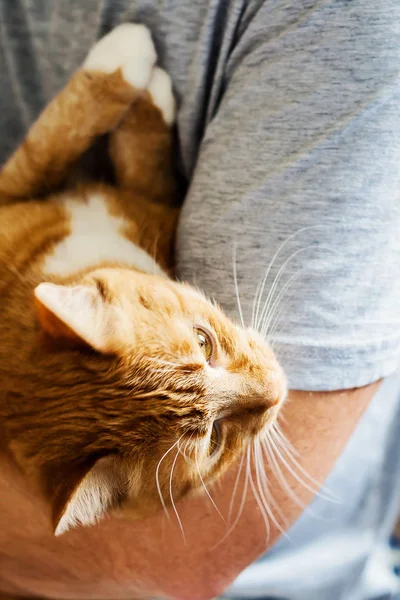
[{"x": 297, "y": 189}]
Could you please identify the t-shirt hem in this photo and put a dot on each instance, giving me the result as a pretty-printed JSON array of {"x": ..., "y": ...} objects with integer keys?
[{"x": 310, "y": 367}]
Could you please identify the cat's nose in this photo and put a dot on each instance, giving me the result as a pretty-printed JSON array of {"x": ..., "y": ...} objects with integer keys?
[
  {"x": 276, "y": 386},
  {"x": 262, "y": 403},
  {"x": 251, "y": 406}
]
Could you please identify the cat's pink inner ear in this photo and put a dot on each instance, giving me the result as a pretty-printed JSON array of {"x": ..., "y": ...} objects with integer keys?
[{"x": 73, "y": 313}]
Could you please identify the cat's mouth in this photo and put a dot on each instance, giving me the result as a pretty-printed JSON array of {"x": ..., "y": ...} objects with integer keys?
[
  {"x": 215, "y": 439},
  {"x": 227, "y": 430}
]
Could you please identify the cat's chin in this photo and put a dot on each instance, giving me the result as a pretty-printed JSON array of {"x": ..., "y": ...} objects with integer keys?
[
  {"x": 127, "y": 512},
  {"x": 133, "y": 511}
]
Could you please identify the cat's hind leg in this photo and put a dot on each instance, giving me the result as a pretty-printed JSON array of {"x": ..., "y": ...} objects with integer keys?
[
  {"x": 141, "y": 147},
  {"x": 115, "y": 73}
]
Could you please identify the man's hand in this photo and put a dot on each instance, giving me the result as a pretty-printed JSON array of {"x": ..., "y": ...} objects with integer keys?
[{"x": 120, "y": 559}]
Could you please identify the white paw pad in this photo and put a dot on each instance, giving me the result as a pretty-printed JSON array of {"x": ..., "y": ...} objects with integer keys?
[
  {"x": 160, "y": 89},
  {"x": 128, "y": 47}
]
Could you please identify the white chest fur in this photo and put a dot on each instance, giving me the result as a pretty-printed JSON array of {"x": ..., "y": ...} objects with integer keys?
[{"x": 95, "y": 237}]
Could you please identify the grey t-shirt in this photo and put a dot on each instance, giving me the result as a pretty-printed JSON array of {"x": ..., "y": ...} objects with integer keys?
[{"x": 289, "y": 134}]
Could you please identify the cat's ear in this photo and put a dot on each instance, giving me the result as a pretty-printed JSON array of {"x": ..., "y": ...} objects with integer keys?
[
  {"x": 77, "y": 314},
  {"x": 86, "y": 500}
]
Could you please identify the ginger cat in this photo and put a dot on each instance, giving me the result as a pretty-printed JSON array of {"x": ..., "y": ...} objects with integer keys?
[{"x": 114, "y": 377}]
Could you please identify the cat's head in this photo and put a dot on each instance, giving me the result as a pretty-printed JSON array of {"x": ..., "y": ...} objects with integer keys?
[{"x": 137, "y": 385}]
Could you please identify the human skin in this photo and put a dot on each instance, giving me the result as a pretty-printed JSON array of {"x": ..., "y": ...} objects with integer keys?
[{"x": 121, "y": 559}]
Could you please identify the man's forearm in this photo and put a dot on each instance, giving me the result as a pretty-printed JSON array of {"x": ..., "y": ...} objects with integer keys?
[{"x": 319, "y": 426}]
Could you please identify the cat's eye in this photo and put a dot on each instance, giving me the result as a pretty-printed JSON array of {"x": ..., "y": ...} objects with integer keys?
[
  {"x": 205, "y": 343},
  {"x": 215, "y": 439}
]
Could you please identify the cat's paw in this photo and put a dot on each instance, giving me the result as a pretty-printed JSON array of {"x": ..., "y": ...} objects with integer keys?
[
  {"x": 128, "y": 47},
  {"x": 160, "y": 89}
]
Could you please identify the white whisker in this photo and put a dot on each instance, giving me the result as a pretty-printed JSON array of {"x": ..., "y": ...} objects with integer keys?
[
  {"x": 276, "y": 281},
  {"x": 206, "y": 490},
  {"x": 279, "y": 476},
  {"x": 240, "y": 510},
  {"x": 235, "y": 488},
  {"x": 283, "y": 441},
  {"x": 236, "y": 286},
  {"x": 280, "y": 273},
  {"x": 183, "y": 452},
  {"x": 275, "y": 303},
  {"x": 158, "y": 474},
  {"x": 275, "y": 331},
  {"x": 263, "y": 485},
  {"x": 261, "y": 286},
  {"x": 318, "y": 484},
  {"x": 260, "y": 500},
  {"x": 172, "y": 498},
  {"x": 256, "y": 303},
  {"x": 264, "y": 493},
  {"x": 314, "y": 486}
]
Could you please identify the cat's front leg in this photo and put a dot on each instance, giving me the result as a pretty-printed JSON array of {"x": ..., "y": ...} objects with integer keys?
[
  {"x": 141, "y": 147},
  {"x": 115, "y": 73}
]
